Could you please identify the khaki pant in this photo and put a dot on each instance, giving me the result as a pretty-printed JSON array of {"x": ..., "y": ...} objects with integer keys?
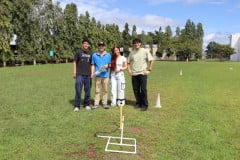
[{"x": 99, "y": 84}]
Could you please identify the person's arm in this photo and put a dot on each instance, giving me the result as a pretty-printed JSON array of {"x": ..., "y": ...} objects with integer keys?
[
  {"x": 74, "y": 69},
  {"x": 129, "y": 68},
  {"x": 75, "y": 61},
  {"x": 109, "y": 65},
  {"x": 148, "y": 71},
  {"x": 109, "y": 62},
  {"x": 92, "y": 70},
  {"x": 124, "y": 65},
  {"x": 129, "y": 65},
  {"x": 150, "y": 65}
]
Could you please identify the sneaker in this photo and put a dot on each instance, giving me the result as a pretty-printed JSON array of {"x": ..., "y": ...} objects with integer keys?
[
  {"x": 105, "y": 106},
  {"x": 87, "y": 107},
  {"x": 76, "y": 109},
  {"x": 121, "y": 103},
  {"x": 113, "y": 105},
  {"x": 137, "y": 106},
  {"x": 95, "y": 107},
  {"x": 144, "y": 109}
]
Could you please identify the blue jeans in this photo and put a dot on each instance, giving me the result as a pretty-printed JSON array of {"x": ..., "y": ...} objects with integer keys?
[{"x": 86, "y": 82}]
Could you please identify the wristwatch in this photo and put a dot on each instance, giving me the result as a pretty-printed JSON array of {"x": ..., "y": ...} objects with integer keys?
[{"x": 149, "y": 70}]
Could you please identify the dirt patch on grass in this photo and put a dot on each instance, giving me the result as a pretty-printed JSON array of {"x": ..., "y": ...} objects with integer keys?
[
  {"x": 135, "y": 130},
  {"x": 91, "y": 153}
]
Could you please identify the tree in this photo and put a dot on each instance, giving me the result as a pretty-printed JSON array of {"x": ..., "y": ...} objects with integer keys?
[
  {"x": 42, "y": 26},
  {"x": 47, "y": 13},
  {"x": 58, "y": 32},
  {"x": 215, "y": 50},
  {"x": 72, "y": 38},
  {"x": 6, "y": 31},
  {"x": 84, "y": 23},
  {"x": 199, "y": 40},
  {"x": 113, "y": 35},
  {"x": 134, "y": 32},
  {"x": 189, "y": 30},
  {"x": 26, "y": 20},
  {"x": 178, "y": 31},
  {"x": 168, "y": 32},
  {"x": 190, "y": 41},
  {"x": 94, "y": 33},
  {"x": 164, "y": 40},
  {"x": 126, "y": 39}
]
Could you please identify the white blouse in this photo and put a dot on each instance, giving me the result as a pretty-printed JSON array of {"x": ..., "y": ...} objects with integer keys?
[{"x": 119, "y": 63}]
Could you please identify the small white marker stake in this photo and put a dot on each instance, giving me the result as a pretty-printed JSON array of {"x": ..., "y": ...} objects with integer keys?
[
  {"x": 158, "y": 101},
  {"x": 181, "y": 73}
]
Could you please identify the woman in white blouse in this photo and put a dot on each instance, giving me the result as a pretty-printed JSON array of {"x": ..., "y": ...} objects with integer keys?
[{"x": 118, "y": 65}]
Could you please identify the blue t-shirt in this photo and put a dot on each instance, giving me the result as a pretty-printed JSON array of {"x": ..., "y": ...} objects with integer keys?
[{"x": 101, "y": 60}]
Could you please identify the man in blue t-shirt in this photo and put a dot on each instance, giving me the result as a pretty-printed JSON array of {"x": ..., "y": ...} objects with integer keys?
[
  {"x": 101, "y": 61},
  {"x": 82, "y": 74}
]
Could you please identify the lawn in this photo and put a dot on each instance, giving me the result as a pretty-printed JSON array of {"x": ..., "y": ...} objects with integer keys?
[{"x": 199, "y": 118}]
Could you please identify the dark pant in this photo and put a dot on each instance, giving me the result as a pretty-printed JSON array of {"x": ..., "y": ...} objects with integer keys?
[
  {"x": 139, "y": 85},
  {"x": 82, "y": 81}
]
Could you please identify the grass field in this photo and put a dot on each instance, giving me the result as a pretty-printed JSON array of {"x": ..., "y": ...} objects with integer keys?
[{"x": 199, "y": 118}]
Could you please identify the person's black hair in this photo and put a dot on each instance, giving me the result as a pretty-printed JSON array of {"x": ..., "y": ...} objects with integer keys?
[
  {"x": 136, "y": 40},
  {"x": 85, "y": 40}
]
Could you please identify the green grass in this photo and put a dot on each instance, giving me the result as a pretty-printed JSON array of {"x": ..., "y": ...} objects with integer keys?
[{"x": 199, "y": 118}]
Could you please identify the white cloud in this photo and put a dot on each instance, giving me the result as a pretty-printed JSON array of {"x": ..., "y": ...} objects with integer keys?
[
  {"x": 99, "y": 10},
  {"x": 156, "y": 21},
  {"x": 149, "y": 22},
  {"x": 216, "y": 37}
]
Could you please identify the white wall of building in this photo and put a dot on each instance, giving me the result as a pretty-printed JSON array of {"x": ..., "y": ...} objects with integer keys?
[{"x": 235, "y": 43}]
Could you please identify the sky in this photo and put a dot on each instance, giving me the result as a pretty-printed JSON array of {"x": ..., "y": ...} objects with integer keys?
[{"x": 219, "y": 18}]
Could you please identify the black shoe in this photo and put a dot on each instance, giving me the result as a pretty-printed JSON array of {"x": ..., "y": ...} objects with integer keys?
[
  {"x": 144, "y": 109},
  {"x": 137, "y": 106}
]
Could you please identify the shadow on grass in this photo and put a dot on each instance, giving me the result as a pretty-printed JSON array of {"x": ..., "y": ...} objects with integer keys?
[
  {"x": 128, "y": 102},
  {"x": 71, "y": 101},
  {"x": 101, "y": 133}
]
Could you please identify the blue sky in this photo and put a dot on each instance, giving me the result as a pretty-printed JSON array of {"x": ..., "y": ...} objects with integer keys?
[{"x": 220, "y": 18}]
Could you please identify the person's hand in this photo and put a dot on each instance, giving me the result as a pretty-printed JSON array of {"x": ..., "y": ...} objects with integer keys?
[
  {"x": 118, "y": 70},
  {"x": 146, "y": 72},
  {"x": 74, "y": 75},
  {"x": 92, "y": 75},
  {"x": 105, "y": 66},
  {"x": 130, "y": 72}
]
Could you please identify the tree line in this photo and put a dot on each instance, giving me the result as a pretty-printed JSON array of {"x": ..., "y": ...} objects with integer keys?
[{"x": 42, "y": 26}]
